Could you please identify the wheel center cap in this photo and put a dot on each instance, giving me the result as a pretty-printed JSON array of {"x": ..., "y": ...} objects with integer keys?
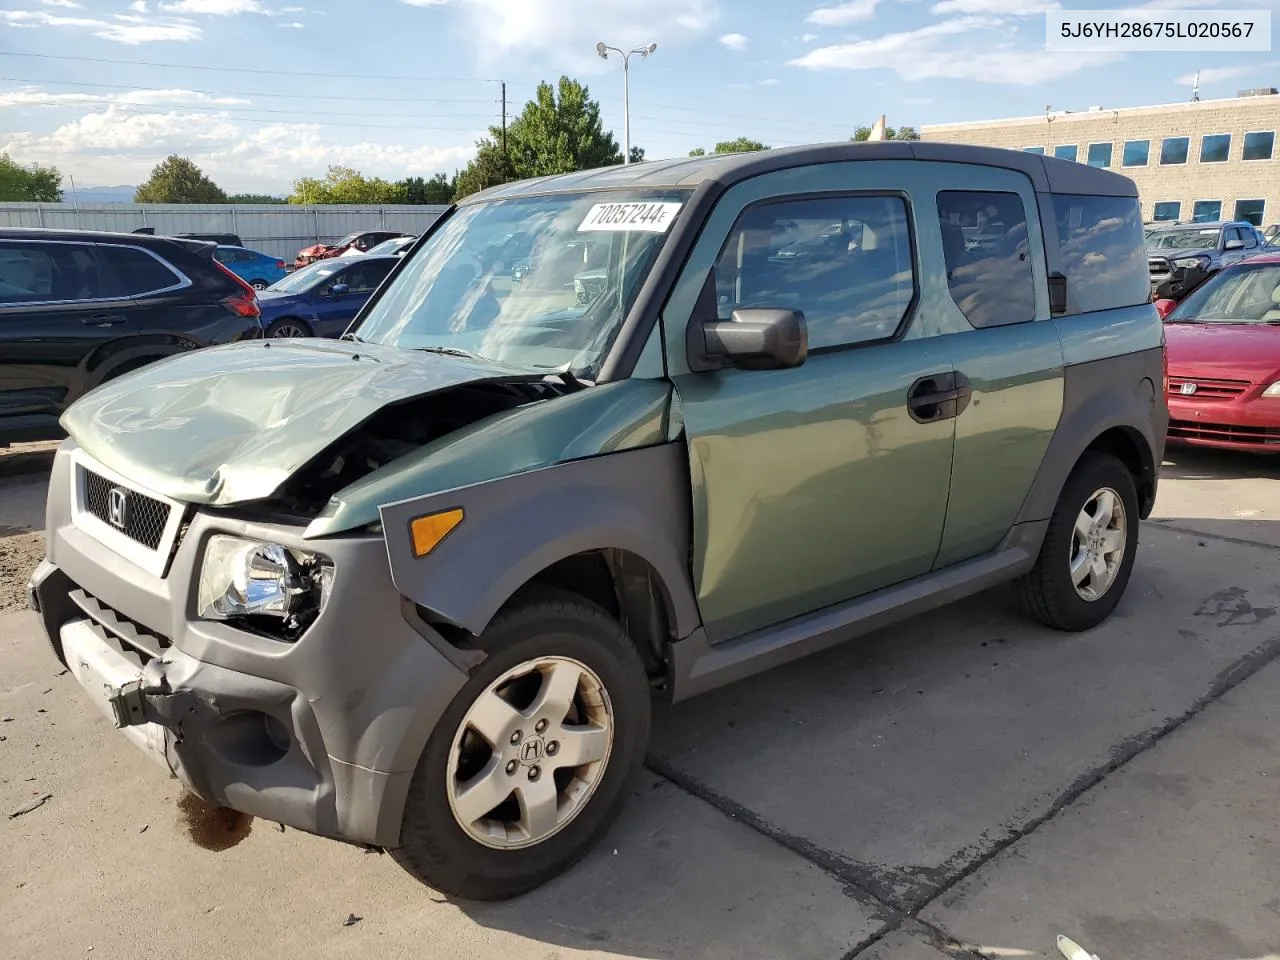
[{"x": 531, "y": 751}]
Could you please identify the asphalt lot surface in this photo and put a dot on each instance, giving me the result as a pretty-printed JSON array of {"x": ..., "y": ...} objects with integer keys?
[{"x": 961, "y": 785}]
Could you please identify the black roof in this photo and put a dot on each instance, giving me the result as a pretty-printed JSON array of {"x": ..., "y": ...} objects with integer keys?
[
  {"x": 1048, "y": 174},
  {"x": 146, "y": 240}
]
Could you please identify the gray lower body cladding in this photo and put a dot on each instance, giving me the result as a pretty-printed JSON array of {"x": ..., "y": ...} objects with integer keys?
[{"x": 322, "y": 734}]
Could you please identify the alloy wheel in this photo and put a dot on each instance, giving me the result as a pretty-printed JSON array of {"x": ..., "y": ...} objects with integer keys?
[
  {"x": 1098, "y": 544},
  {"x": 529, "y": 753}
]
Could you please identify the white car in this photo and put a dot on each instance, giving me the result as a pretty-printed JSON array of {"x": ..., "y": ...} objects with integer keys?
[{"x": 388, "y": 248}]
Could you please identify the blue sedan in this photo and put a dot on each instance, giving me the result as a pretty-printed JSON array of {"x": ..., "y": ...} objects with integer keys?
[
  {"x": 256, "y": 269},
  {"x": 322, "y": 298}
]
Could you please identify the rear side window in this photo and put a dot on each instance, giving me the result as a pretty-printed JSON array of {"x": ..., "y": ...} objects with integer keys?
[
  {"x": 131, "y": 272},
  {"x": 47, "y": 273},
  {"x": 845, "y": 262},
  {"x": 988, "y": 256},
  {"x": 1101, "y": 251},
  {"x": 365, "y": 277}
]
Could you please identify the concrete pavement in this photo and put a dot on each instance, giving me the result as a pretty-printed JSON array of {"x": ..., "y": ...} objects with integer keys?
[{"x": 962, "y": 782}]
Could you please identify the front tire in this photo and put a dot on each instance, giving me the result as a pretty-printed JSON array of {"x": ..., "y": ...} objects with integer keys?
[
  {"x": 535, "y": 757},
  {"x": 1088, "y": 551},
  {"x": 288, "y": 327}
]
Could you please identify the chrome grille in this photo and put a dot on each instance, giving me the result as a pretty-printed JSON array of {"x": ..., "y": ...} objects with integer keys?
[
  {"x": 1194, "y": 388},
  {"x": 1159, "y": 266},
  {"x": 139, "y": 517}
]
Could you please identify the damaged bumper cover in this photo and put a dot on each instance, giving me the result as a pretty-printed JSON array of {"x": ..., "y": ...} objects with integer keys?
[{"x": 322, "y": 734}]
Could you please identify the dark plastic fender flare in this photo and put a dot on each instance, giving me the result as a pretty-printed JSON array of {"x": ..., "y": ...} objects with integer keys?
[
  {"x": 517, "y": 526},
  {"x": 1118, "y": 403}
]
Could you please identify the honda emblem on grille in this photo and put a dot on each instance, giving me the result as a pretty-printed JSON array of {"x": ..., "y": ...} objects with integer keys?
[
  {"x": 1188, "y": 389},
  {"x": 118, "y": 507}
]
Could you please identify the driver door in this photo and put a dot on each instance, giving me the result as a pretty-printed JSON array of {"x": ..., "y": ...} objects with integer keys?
[{"x": 817, "y": 484}]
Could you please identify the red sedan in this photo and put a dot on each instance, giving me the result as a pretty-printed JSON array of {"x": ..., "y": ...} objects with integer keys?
[{"x": 1223, "y": 345}]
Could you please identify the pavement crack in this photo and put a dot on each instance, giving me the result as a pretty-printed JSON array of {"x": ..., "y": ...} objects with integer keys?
[{"x": 1221, "y": 537}]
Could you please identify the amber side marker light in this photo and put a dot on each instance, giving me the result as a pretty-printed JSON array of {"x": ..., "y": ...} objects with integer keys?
[{"x": 427, "y": 532}]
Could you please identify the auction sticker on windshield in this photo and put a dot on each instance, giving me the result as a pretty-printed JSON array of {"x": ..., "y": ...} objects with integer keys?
[{"x": 647, "y": 217}]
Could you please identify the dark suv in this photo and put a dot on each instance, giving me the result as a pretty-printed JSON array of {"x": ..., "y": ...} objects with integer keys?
[{"x": 78, "y": 308}]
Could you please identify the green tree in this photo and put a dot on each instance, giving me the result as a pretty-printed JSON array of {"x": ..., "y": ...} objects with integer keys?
[
  {"x": 490, "y": 168},
  {"x": 438, "y": 189},
  {"x": 901, "y": 133},
  {"x": 33, "y": 184},
  {"x": 741, "y": 145},
  {"x": 558, "y": 131},
  {"x": 344, "y": 185},
  {"x": 263, "y": 198},
  {"x": 177, "y": 180}
]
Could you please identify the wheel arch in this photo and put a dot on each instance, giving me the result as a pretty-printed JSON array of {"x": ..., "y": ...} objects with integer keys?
[
  {"x": 1110, "y": 406},
  {"x": 614, "y": 529}
]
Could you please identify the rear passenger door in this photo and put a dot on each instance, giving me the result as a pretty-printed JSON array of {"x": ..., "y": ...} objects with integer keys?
[
  {"x": 151, "y": 291},
  {"x": 56, "y": 324},
  {"x": 1006, "y": 347}
]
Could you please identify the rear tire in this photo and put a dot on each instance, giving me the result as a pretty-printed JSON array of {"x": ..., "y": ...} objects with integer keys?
[
  {"x": 1088, "y": 551},
  {"x": 289, "y": 327},
  {"x": 551, "y": 789}
]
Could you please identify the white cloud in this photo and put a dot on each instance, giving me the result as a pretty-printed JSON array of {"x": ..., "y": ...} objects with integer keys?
[
  {"x": 921, "y": 55},
  {"x": 114, "y": 146},
  {"x": 130, "y": 30},
  {"x": 69, "y": 4},
  {"x": 32, "y": 96},
  {"x": 734, "y": 41},
  {"x": 562, "y": 34},
  {"x": 1218, "y": 74},
  {"x": 214, "y": 8},
  {"x": 138, "y": 6},
  {"x": 425, "y": 3},
  {"x": 843, "y": 13},
  {"x": 808, "y": 38},
  {"x": 294, "y": 25},
  {"x": 1013, "y": 8},
  {"x": 770, "y": 82}
]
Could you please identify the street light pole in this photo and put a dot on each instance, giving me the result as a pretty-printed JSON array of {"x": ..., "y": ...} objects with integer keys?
[{"x": 644, "y": 51}]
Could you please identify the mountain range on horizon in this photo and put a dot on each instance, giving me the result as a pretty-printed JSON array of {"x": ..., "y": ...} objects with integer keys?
[{"x": 120, "y": 194}]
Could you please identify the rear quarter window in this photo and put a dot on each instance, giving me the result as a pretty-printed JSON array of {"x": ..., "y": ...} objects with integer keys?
[
  {"x": 131, "y": 272},
  {"x": 1101, "y": 251}
]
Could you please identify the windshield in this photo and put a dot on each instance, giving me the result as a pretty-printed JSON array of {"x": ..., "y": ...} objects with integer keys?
[
  {"x": 558, "y": 306},
  {"x": 347, "y": 240},
  {"x": 1192, "y": 239},
  {"x": 307, "y": 277},
  {"x": 1249, "y": 294},
  {"x": 390, "y": 246}
]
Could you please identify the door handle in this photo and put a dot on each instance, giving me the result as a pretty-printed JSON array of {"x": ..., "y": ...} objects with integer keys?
[
  {"x": 103, "y": 320},
  {"x": 942, "y": 396}
]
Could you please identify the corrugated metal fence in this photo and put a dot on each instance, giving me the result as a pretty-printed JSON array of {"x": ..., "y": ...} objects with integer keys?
[{"x": 280, "y": 231}]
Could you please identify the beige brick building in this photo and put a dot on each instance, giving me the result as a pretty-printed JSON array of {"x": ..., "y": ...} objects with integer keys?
[{"x": 1202, "y": 160}]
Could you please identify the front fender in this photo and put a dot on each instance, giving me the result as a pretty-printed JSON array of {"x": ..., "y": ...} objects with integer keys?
[{"x": 517, "y": 526}]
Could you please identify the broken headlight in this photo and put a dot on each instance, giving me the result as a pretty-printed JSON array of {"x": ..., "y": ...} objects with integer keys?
[{"x": 280, "y": 589}]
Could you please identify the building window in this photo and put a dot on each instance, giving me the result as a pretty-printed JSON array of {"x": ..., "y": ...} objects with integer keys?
[
  {"x": 1250, "y": 210},
  {"x": 991, "y": 279},
  {"x": 1136, "y": 153},
  {"x": 1173, "y": 150},
  {"x": 1099, "y": 154},
  {"x": 1035, "y": 150},
  {"x": 1167, "y": 210},
  {"x": 1206, "y": 211},
  {"x": 1259, "y": 146},
  {"x": 1215, "y": 148},
  {"x": 1066, "y": 151}
]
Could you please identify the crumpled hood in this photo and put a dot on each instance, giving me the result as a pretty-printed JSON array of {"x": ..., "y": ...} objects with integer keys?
[{"x": 230, "y": 424}]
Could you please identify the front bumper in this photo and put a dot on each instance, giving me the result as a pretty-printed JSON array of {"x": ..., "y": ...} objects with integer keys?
[
  {"x": 322, "y": 735},
  {"x": 1246, "y": 423}
]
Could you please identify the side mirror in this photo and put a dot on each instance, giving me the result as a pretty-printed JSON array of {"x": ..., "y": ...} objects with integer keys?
[
  {"x": 1234, "y": 245},
  {"x": 759, "y": 339},
  {"x": 1165, "y": 307},
  {"x": 339, "y": 290}
]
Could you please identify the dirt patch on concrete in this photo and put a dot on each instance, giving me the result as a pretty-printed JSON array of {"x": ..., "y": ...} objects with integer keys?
[
  {"x": 22, "y": 459},
  {"x": 19, "y": 555},
  {"x": 210, "y": 827}
]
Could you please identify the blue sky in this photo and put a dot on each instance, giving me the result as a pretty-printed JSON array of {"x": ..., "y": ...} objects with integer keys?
[{"x": 74, "y": 90}]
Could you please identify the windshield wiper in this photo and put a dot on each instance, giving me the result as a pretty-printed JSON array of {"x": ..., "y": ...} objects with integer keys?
[
  {"x": 352, "y": 338},
  {"x": 451, "y": 352}
]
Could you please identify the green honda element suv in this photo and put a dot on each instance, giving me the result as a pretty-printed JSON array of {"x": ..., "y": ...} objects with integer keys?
[{"x": 417, "y": 588}]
